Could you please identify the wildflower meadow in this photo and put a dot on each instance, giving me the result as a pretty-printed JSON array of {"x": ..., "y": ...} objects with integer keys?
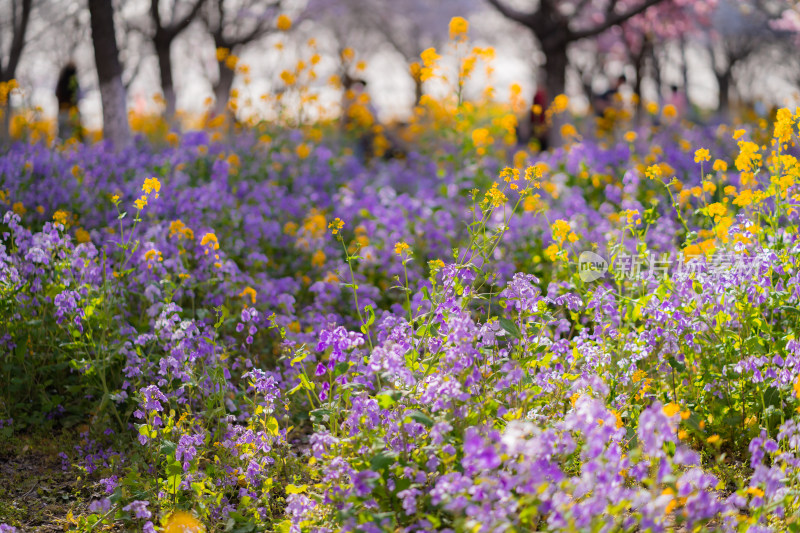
[{"x": 313, "y": 323}]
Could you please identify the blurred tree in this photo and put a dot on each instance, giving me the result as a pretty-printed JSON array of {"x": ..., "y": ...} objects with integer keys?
[
  {"x": 411, "y": 26},
  {"x": 233, "y": 24},
  {"x": 13, "y": 29},
  {"x": 641, "y": 37},
  {"x": 407, "y": 26},
  {"x": 109, "y": 73},
  {"x": 558, "y": 23},
  {"x": 164, "y": 34},
  {"x": 740, "y": 29}
]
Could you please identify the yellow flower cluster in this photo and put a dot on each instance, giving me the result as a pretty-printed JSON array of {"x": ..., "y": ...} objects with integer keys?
[
  {"x": 717, "y": 210},
  {"x": 562, "y": 231},
  {"x": 210, "y": 239},
  {"x": 654, "y": 172},
  {"x": 153, "y": 255},
  {"x": 60, "y": 217},
  {"x": 494, "y": 197},
  {"x": 400, "y": 247},
  {"x": 458, "y": 28},
  {"x": 784, "y": 126},
  {"x": 177, "y": 227},
  {"x": 150, "y": 185},
  {"x": 429, "y": 58},
  {"x": 336, "y": 225},
  {"x": 284, "y": 23},
  {"x": 318, "y": 258},
  {"x": 303, "y": 150},
  {"x": 749, "y": 158},
  {"x": 248, "y": 292},
  {"x": 701, "y": 154},
  {"x": 510, "y": 176}
]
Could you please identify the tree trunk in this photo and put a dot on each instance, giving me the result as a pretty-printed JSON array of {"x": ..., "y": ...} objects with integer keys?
[
  {"x": 109, "y": 73},
  {"x": 638, "y": 65},
  {"x": 163, "y": 46},
  {"x": 222, "y": 89},
  {"x": 418, "y": 90},
  {"x": 5, "y": 123},
  {"x": 724, "y": 83},
  {"x": 555, "y": 68},
  {"x": 685, "y": 68},
  {"x": 659, "y": 81}
]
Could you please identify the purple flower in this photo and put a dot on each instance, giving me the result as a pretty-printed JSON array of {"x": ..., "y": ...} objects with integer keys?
[
  {"x": 152, "y": 398},
  {"x": 138, "y": 508}
]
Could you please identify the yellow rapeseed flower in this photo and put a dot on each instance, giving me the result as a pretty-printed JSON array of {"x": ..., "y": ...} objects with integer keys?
[
  {"x": 288, "y": 78},
  {"x": 318, "y": 258},
  {"x": 480, "y": 137},
  {"x": 560, "y": 103},
  {"x": 81, "y": 235},
  {"x": 784, "y": 124},
  {"x": 303, "y": 151},
  {"x": 495, "y": 197},
  {"x": 400, "y": 247},
  {"x": 210, "y": 238},
  {"x": 701, "y": 154},
  {"x": 653, "y": 172},
  {"x": 336, "y": 225},
  {"x": 717, "y": 210},
  {"x": 248, "y": 292},
  {"x": 60, "y": 217},
  {"x": 284, "y": 23},
  {"x": 183, "y": 522},
  {"x": 151, "y": 185},
  {"x": 561, "y": 230},
  {"x": 458, "y": 28},
  {"x": 671, "y": 409}
]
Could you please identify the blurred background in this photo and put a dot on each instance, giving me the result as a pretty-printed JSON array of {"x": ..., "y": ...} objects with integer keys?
[{"x": 191, "y": 58}]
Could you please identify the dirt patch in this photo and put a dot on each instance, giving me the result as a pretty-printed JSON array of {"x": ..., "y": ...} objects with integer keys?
[{"x": 36, "y": 493}]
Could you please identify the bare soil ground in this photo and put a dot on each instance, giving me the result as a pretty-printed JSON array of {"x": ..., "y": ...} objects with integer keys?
[{"x": 36, "y": 493}]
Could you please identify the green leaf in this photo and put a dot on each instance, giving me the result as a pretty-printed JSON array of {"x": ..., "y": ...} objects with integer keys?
[
  {"x": 387, "y": 399},
  {"x": 370, "y": 319},
  {"x": 272, "y": 426},
  {"x": 295, "y": 489},
  {"x": 382, "y": 460},
  {"x": 419, "y": 416},
  {"x": 307, "y": 384},
  {"x": 223, "y": 314},
  {"x": 341, "y": 368},
  {"x": 511, "y": 328},
  {"x": 680, "y": 367},
  {"x": 174, "y": 469},
  {"x": 299, "y": 359}
]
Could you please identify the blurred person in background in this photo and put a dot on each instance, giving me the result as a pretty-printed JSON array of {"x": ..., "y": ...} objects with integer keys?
[
  {"x": 677, "y": 99},
  {"x": 68, "y": 95},
  {"x": 538, "y": 115}
]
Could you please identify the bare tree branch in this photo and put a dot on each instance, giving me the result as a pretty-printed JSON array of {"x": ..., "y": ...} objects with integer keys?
[
  {"x": 613, "y": 20},
  {"x": 526, "y": 19}
]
